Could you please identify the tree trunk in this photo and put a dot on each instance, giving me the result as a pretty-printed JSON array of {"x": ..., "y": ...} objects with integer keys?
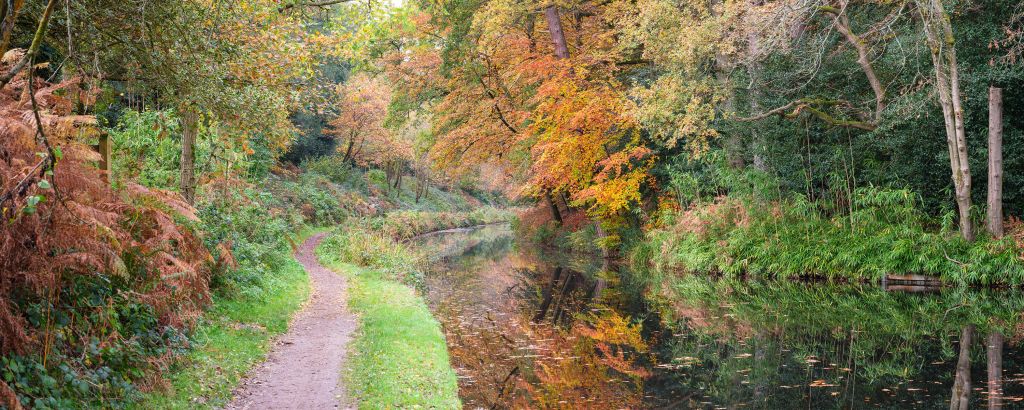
[
  {"x": 557, "y": 35},
  {"x": 348, "y": 151},
  {"x": 995, "y": 162},
  {"x": 547, "y": 294},
  {"x": 757, "y": 138},
  {"x": 939, "y": 33},
  {"x": 994, "y": 353},
  {"x": 189, "y": 130},
  {"x": 421, "y": 182},
  {"x": 554, "y": 207},
  {"x": 962, "y": 382},
  {"x": 565, "y": 201},
  {"x": 10, "y": 17},
  {"x": 733, "y": 141}
]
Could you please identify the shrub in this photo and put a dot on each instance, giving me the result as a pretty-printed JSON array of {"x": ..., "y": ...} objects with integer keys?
[
  {"x": 337, "y": 171},
  {"x": 884, "y": 234},
  {"x": 360, "y": 245}
]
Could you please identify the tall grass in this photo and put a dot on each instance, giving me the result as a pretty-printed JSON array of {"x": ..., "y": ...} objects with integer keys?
[{"x": 885, "y": 233}]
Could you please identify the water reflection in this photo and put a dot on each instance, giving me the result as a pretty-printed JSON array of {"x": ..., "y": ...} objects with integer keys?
[{"x": 531, "y": 329}]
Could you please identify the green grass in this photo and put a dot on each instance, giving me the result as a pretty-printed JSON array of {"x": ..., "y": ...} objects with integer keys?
[
  {"x": 400, "y": 357},
  {"x": 234, "y": 336}
]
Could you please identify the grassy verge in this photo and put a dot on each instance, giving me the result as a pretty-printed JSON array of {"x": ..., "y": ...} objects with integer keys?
[
  {"x": 400, "y": 357},
  {"x": 233, "y": 337}
]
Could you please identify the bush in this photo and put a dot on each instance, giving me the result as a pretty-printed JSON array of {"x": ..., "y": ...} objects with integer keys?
[
  {"x": 884, "y": 234},
  {"x": 360, "y": 245},
  {"x": 240, "y": 220},
  {"x": 337, "y": 171}
]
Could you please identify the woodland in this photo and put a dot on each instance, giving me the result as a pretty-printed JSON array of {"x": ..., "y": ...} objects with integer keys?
[{"x": 162, "y": 162}]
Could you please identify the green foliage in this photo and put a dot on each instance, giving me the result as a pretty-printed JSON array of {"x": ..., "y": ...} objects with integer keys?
[
  {"x": 362, "y": 246},
  {"x": 103, "y": 342},
  {"x": 338, "y": 171},
  {"x": 886, "y": 233},
  {"x": 257, "y": 238},
  {"x": 147, "y": 150}
]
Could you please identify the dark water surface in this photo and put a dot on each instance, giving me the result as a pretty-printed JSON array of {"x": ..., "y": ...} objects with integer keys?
[{"x": 528, "y": 328}]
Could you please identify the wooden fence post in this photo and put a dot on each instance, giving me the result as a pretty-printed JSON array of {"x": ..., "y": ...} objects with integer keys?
[{"x": 104, "y": 149}]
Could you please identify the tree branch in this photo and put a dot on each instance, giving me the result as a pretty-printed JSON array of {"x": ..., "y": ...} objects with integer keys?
[
  {"x": 322, "y": 3},
  {"x": 842, "y": 24},
  {"x": 37, "y": 40},
  {"x": 808, "y": 105}
]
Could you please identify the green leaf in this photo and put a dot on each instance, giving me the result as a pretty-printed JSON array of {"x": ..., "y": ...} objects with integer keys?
[{"x": 44, "y": 184}]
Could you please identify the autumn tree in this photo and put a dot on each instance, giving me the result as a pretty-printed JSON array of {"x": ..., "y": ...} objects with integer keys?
[
  {"x": 233, "y": 64},
  {"x": 359, "y": 126}
]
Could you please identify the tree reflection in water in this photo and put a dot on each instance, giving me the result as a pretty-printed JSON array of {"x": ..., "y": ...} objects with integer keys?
[{"x": 528, "y": 329}]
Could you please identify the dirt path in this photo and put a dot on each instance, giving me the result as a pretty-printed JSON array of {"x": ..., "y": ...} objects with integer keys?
[{"x": 304, "y": 368}]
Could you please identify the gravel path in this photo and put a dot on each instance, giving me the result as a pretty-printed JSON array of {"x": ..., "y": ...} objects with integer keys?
[{"x": 303, "y": 370}]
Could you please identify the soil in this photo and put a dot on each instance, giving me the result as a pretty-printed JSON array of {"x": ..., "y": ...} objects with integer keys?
[{"x": 303, "y": 370}]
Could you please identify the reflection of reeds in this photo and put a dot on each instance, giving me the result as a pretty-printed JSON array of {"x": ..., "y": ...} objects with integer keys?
[{"x": 746, "y": 339}]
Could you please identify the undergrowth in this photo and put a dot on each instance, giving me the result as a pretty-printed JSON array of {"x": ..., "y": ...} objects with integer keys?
[
  {"x": 233, "y": 336},
  {"x": 884, "y": 233}
]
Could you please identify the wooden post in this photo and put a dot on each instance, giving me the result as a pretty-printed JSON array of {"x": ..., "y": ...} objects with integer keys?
[{"x": 104, "y": 149}]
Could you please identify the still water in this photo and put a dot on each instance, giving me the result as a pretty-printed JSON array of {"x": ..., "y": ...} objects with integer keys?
[{"x": 530, "y": 328}]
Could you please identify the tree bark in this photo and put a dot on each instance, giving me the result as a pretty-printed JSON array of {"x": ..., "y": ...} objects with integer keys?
[
  {"x": 994, "y": 354},
  {"x": 939, "y": 33},
  {"x": 189, "y": 131},
  {"x": 863, "y": 59},
  {"x": 733, "y": 141},
  {"x": 554, "y": 207},
  {"x": 754, "y": 48},
  {"x": 962, "y": 382},
  {"x": 557, "y": 34},
  {"x": 7, "y": 25},
  {"x": 348, "y": 150},
  {"x": 995, "y": 162}
]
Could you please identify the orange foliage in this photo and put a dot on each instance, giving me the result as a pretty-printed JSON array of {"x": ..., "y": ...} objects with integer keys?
[
  {"x": 360, "y": 125},
  {"x": 80, "y": 226},
  {"x": 558, "y": 124}
]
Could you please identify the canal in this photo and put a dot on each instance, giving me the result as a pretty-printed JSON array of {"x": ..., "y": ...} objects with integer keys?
[{"x": 527, "y": 327}]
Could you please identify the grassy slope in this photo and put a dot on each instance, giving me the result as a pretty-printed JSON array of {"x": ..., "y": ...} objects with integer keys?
[
  {"x": 401, "y": 359},
  {"x": 234, "y": 336},
  {"x": 400, "y": 356}
]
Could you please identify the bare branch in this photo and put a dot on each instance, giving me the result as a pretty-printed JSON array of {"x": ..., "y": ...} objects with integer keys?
[
  {"x": 322, "y": 3},
  {"x": 842, "y": 24},
  {"x": 809, "y": 105},
  {"x": 37, "y": 40}
]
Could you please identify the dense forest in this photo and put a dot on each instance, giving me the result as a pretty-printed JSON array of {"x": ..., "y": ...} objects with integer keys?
[{"x": 186, "y": 185}]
